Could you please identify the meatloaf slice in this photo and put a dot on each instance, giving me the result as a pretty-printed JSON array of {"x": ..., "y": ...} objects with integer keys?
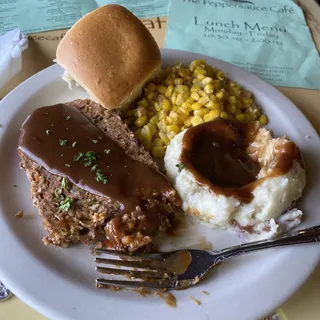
[{"x": 86, "y": 215}]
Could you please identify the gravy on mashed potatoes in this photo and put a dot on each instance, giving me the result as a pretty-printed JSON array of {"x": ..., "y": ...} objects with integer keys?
[{"x": 229, "y": 173}]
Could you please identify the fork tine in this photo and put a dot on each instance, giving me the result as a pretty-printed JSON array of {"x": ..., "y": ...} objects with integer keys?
[
  {"x": 134, "y": 273},
  {"x": 133, "y": 284},
  {"x": 153, "y": 265},
  {"x": 133, "y": 256}
]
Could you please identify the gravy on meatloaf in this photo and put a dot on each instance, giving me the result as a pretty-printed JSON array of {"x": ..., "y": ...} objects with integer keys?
[{"x": 66, "y": 143}]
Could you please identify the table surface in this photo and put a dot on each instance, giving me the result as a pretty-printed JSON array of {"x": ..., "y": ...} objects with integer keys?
[{"x": 305, "y": 303}]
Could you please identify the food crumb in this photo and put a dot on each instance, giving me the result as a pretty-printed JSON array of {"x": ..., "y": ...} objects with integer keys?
[
  {"x": 19, "y": 214},
  {"x": 98, "y": 245},
  {"x": 46, "y": 241},
  {"x": 196, "y": 301},
  {"x": 115, "y": 288},
  {"x": 308, "y": 137},
  {"x": 168, "y": 298},
  {"x": 205, "y": 292},
  {"x": 110, "y": 287},
  {"x": 14, "y": 185},
  {"x": 92, "y": 251},
  {"x": 196, "y": 280},
  {"x": 142, "y": 291}
]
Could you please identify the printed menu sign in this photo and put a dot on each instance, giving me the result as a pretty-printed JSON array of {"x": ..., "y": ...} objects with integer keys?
[
  {"x": 141, "y": 8},
  {"x": 35, "y": 16},
  {"x": 268, "y": 38},
  {"x": 32, "y": 16}
]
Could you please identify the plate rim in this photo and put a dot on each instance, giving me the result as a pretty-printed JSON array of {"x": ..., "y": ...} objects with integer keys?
[{"x": 49, "y": 74}]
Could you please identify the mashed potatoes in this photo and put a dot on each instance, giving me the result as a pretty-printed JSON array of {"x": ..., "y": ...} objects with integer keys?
[{"x": 271, "y": 198}]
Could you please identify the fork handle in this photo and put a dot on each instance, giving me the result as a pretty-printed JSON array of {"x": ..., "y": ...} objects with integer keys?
[{"x": 302, "y": 236}]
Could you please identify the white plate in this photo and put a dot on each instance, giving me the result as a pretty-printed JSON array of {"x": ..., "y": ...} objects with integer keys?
[{"x": 60, "y": 282}]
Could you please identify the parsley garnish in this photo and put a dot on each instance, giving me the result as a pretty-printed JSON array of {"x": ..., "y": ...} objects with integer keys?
[
  {"x": 48, "y": 132},
  {"x": 94, "y": 168},
  {"x": 93, "y": 201},
  {"x": 180, "y": 166},
  {"x": 89, "y": 157},
  {"x": 107, "y": 151},
  {"x": 62, "y": 142},
  {"x": 68, "y": 118},
  {"x": 65, "y": 204},
  {"x": 67, "y": 165},
  {"x": 101, "y": 177},
  {"x": 64, "y": 183},
  {"x": 74, "y": 144},
  {"x": 94, "y": 141},
  {"x": 78, "y": 156}
]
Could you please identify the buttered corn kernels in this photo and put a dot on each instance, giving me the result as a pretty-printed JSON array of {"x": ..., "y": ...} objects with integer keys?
[
  {"x": 196, "y": 120},
  {"x": 182, "y": 97}
]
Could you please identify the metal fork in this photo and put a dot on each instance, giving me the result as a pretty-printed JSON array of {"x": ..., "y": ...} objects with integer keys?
[
  {"x": 5, "y": 293},
  {"x": 183, "y": 268}
]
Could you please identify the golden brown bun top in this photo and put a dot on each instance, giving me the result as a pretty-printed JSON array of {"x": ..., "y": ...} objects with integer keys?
[{"x": 111, "y": 54}]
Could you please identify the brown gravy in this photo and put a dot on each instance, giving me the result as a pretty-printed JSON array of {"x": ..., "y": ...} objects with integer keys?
[
  {"x": 66, "y": 143},
  {"x": 179, "y": 262},
  {"x": 215, "y": 152}
]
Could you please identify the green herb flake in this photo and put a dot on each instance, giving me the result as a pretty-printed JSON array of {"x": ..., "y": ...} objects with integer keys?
[
  {"x": 63, "y": 142},
  {"x": 94, "y": 168},
  {"x": 46, "y": 113},
  {"x": 68, "y": 165},
  {"x": 101, "y": 177},
  {"x": 0, "y": 125},
  {"x": 89, "y": 157},
  {"x": 107, "y": 151},
  {"x": 180, "y": 166},
  {"x": 68, "y": 118},
  {"x": 64, "y": 183},
  {"x": 92, "y": 202},
  {"x": 74, "y": 144},
  {"x": 65, "y": 204},
  {"x": 94, "y": 141},
  {"x": 48, "y": 132},
  {"x": 90, "y": 154},
  {"x": 78, "y": 156}
]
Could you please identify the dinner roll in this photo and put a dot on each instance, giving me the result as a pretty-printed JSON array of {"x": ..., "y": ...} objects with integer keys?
[{"x": 111, "y": 54}]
